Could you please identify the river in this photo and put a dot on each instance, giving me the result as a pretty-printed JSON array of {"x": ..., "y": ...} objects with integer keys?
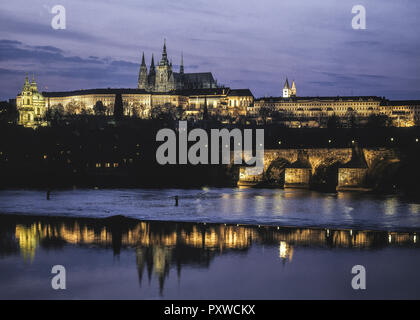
[{"x": 216, "y": 244}]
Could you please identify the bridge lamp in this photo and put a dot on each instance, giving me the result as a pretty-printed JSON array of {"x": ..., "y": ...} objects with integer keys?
[
  {"x": 392, "y": 139},
  {"x": 329, "y": 141},
  {"x": 279, "y": 142},
  {"x": 352, "y": 141},
  {"x": 417, "y": 139}
]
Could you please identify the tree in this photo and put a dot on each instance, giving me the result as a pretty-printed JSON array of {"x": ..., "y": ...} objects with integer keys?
[
  {"x": 118, "y": 107},
  {"x": 55, "y": 113},
  {"x": 333, "y": 122},
  {"x": 377, "y": 121},
  {"x": 264, "y": 113},
  {"x": 99, "y": 108},
  {"x": 8, "y": 112}
]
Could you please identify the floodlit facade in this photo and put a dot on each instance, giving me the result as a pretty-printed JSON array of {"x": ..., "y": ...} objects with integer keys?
[
  {"x": 31, "y": 105},
  {"x": 316, "y": 110},
  {"x": 162, "y": 78}
]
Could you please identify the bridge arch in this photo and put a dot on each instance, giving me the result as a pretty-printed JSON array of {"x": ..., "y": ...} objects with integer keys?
[
  {"x": 275, "y": 172},
  {"x": 325, "y": 175},
  {"x": 383, "y": 174}
]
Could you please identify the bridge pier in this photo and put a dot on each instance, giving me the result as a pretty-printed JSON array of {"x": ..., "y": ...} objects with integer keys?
[
  {"x": 352, "y": 179},
  {"x": 298, "y": 174},
  {"x": 250, "y": 179},
  {"x": 297, "y": 178},
  {"x": 352, "y": 175}
]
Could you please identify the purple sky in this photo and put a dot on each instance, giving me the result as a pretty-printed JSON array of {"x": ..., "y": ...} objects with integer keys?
[{"x": 245, "y": 44}]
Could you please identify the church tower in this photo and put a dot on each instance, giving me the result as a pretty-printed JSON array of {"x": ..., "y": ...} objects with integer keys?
[
  {"x": 142, "y": 81},
  {"x": 164, "y": 78},
  {"x": 31, "y": 105},
  {"x": 293, "y": 89},
  {"x": 286, "y": 89}
]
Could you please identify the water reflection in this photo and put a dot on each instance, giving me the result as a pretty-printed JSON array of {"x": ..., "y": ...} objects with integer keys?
[{"x": 160, "y": 246}]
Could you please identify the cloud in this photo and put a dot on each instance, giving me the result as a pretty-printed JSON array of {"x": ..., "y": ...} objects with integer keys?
[
  {"x": 254, "y": 44},
  {"x": 57, "y": 71}
]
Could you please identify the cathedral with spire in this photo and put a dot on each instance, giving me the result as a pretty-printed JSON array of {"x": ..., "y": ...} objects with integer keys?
[
  {"x": 289, "y": 91},
  {"x": 162, "y": 78}
]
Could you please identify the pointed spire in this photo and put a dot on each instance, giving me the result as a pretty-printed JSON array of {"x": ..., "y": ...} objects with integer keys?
[
  {"x": 143, "y": 63},
  {"x": 181, "y": 68},
  {"x": 293, "y": 85},
  {"x": 152, "y": 67},
  {"x": 286, "y": 84},
  {"x": 164, "y": 53}
]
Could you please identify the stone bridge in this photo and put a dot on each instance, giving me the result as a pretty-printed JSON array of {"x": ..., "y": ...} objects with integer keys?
[{"x": 345, "y": 168}]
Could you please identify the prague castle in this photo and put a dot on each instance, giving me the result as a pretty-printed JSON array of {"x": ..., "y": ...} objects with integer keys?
[
  {"x": 159, "y": 87},
  {"x": 162, "y": 78}
]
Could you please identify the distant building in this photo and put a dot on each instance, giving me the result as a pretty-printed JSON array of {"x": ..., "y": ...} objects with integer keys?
[
  {"x": 198, "y": 94},
  {"x": 162, "y": 78},
  {"x": 289, "y": 91},
  {"x": 31, "y": 105},
  {"x": 158, "y": 87},
  {"x": 136, "y": 103},
  {"x": 403, "y": 113},
  {"x": 315, "y": 111}
]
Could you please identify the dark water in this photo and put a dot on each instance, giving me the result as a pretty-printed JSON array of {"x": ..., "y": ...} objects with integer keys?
[
  {"x": 224, "y": 205},
  {"x": 126, "y": 258}
]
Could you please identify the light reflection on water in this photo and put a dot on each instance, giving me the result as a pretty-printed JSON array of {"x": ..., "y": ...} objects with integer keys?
[
  {"x": 224, "y": 205},
  {"x": 161, "y": 252}
]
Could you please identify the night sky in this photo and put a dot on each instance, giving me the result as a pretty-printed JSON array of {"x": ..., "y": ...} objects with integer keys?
[{"x": 245, "y": 44}]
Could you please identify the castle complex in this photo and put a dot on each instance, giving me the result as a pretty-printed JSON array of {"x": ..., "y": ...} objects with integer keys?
[
  {"x": 162, "y": 78},
  {"x": 198, "y": 94}
]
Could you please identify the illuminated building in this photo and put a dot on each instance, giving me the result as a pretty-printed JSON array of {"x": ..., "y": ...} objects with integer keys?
[
  {"x": 158, "y": 88},
  {"x": 31, "y": 105},
  {"x": 315, "y": 111},
  {"x": 161, "y": 78}
]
